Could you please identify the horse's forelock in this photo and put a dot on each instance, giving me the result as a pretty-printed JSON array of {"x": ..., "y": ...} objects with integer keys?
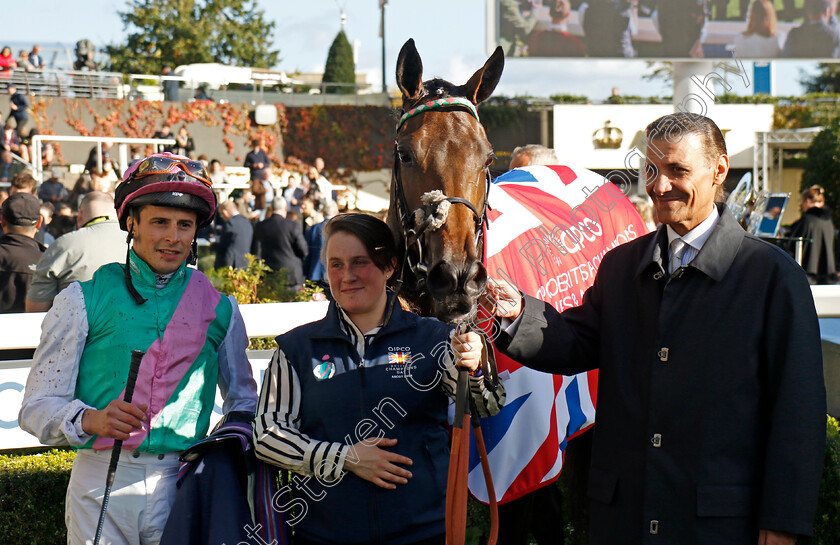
[{"x": 440, "y": 88}]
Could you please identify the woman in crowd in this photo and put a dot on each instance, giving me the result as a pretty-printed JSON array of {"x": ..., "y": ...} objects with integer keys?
[
  {"x": 359, "y": 401},
  {"x": 7, "y": 60},
  {"x": 183, "y": 143},
  {"x": 217, "y": 173},
  {"x": 23, "y": 61},
  {"x": 82, "y": 187},
  {"x": 816, "y": 225},
  {"x": 761, "y": 39},
  {"x": 10, "y": 140}
]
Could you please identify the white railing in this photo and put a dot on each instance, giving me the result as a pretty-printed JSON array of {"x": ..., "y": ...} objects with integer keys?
[
  {"x": 266, "y": 320},
  {"x": 23, "y": 331},
  {"x": 67, "y": 83},
  {"x": 122, "y": 156}
]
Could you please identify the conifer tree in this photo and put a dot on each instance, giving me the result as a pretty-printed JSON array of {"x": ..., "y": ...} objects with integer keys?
[{"x": 340, "y": 67}]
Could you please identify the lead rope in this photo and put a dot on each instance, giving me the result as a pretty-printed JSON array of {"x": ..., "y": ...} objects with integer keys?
[{"x": 457, "y": 487}]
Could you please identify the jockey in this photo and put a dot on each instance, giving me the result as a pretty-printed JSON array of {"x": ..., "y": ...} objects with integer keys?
[{"x": 193, "y": 338}]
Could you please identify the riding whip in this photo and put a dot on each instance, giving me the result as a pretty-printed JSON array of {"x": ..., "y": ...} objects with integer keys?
[{"x": 136, "y": 358}]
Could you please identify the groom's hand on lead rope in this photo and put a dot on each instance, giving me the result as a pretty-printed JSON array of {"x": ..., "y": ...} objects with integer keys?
[{"x": 467, "y": 348}]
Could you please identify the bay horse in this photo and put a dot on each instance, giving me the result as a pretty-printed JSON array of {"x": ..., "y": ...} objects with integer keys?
[
  {"x": 439, "y": 187},
  {"x": 438, "y": 210}
]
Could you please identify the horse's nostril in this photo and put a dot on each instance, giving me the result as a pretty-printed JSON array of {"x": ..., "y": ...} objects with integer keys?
[
  {"x": 442, "y": 280},
  {"x": 475, "y": 279}
]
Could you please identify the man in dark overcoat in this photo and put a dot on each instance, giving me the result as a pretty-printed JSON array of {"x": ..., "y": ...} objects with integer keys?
[
  {"x": 236, "y": 237},
  {"x": 279, "y": 242},
  {"x": 711, "y": 403}
]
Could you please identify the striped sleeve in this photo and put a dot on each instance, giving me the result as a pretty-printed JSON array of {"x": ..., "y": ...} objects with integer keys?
[
  {"x": 277, "y": 435},
  {"x": 487, "y": 398}
]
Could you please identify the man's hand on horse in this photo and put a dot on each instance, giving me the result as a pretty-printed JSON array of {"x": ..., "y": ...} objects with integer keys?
[
  {"x": 116, "y": 421},
  {"x": 377, "y": 465},
  {"x": 502, "y": 299},
  {"x": 467, "y": 348}
]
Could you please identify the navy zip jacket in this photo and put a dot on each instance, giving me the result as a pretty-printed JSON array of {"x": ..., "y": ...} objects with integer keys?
[{"x": 395, "y": 390}]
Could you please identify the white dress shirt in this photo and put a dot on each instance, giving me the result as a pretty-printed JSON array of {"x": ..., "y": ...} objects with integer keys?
[{"x": 696, "y": 238}]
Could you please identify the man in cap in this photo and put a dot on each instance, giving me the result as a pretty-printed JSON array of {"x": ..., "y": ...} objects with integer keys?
[
  {"x": 193, "y": 338},
  {"x": 19, "y": 251}
]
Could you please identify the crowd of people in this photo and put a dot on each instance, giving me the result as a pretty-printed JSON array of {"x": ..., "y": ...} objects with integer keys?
[
  {"x": 28, "y": 60},
  {"x": 668, "y": 458},
  {"x": 609, "y": 28},
  {"x": 278, "y": 218},
  {"x": 194, "y": 340}
]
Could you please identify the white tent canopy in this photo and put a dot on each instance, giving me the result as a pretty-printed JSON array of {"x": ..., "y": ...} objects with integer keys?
[{"x": 216, "y": 75}]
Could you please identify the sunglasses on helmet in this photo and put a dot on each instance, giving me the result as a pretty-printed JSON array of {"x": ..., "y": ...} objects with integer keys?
[{"x": 163, "y": 165}]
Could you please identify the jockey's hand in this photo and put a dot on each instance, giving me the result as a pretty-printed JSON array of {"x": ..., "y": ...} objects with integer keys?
[
  {"x": 117, "y": 420},
  {"x": 377, "y": 465},
  {"x": 467, "y": 348},
  {"x": 502, "y": 299}
]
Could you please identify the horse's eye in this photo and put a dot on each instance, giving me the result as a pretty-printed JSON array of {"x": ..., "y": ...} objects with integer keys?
[
  {"x": 490, "y": 160},
  {"x": 405, "y": 156}
]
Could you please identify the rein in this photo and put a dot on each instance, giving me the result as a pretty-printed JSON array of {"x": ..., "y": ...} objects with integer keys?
[{"x": 427, "y": 218}]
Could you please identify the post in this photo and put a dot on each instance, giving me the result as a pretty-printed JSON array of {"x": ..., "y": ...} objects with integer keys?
[
  {"x": 99, "y": 155},
  {"x": 123, "y": 157},
  {"x": 382, "y": 35},
  {"x": 689, "y": 96}
]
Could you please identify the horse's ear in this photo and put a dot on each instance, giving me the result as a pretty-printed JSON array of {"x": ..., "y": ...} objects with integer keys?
[
  {"x": 484, "y": 81},
  {"x": 409, "y": 71}
]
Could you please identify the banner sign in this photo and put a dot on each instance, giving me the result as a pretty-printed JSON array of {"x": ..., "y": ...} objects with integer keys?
[{"x": 548, "y": 229}]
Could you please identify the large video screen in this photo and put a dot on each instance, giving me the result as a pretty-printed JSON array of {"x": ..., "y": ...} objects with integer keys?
[{"x": 665, "y": 29}]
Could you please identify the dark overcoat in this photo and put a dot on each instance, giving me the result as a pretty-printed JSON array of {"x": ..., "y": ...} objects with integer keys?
[
  {"x": 279, "y": 242},
  {"x": 818, "y": 258},
  {"x": 711, "y": 403},
  {"x": 235, "y": 241}
]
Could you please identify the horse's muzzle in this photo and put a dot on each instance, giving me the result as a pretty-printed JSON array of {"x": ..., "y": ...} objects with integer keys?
[{"x": 454, "y": 290}]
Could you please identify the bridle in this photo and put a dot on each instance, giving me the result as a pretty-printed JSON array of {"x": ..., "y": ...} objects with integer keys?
[
  {"x": 415, "y": 223},
  {"x": 431, "y": 215}
]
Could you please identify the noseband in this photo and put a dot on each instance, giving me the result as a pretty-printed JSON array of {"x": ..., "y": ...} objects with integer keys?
[{"x": 433, "y": 212}]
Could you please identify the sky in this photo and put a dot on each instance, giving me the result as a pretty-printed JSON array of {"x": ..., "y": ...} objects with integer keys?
[{"x": 449, "y": 34}]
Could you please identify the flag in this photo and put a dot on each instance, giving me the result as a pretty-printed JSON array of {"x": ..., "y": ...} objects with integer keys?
[{"x": 548, "y": 229}]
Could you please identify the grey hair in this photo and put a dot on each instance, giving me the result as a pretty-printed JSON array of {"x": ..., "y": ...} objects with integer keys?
[
  {"x": 330, "y": 209},
  {"x": 279, "y": 203},
  {"x": 540, "y": 155}
]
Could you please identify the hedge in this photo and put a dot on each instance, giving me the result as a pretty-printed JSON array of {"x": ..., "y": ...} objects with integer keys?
[{"x": 32, "y": 488}]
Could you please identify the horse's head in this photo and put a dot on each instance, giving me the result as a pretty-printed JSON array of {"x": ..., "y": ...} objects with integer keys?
[{"x": 440, "y": 183}]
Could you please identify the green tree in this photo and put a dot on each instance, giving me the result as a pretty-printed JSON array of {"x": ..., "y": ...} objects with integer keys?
[
  {"x": 822, "y": 166},
  {"x": 827, "y": 80},
  {"x": 662, "y": 71},
  {"x": 340, "y": 67},
  {"x": 176, "y": 32}
]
